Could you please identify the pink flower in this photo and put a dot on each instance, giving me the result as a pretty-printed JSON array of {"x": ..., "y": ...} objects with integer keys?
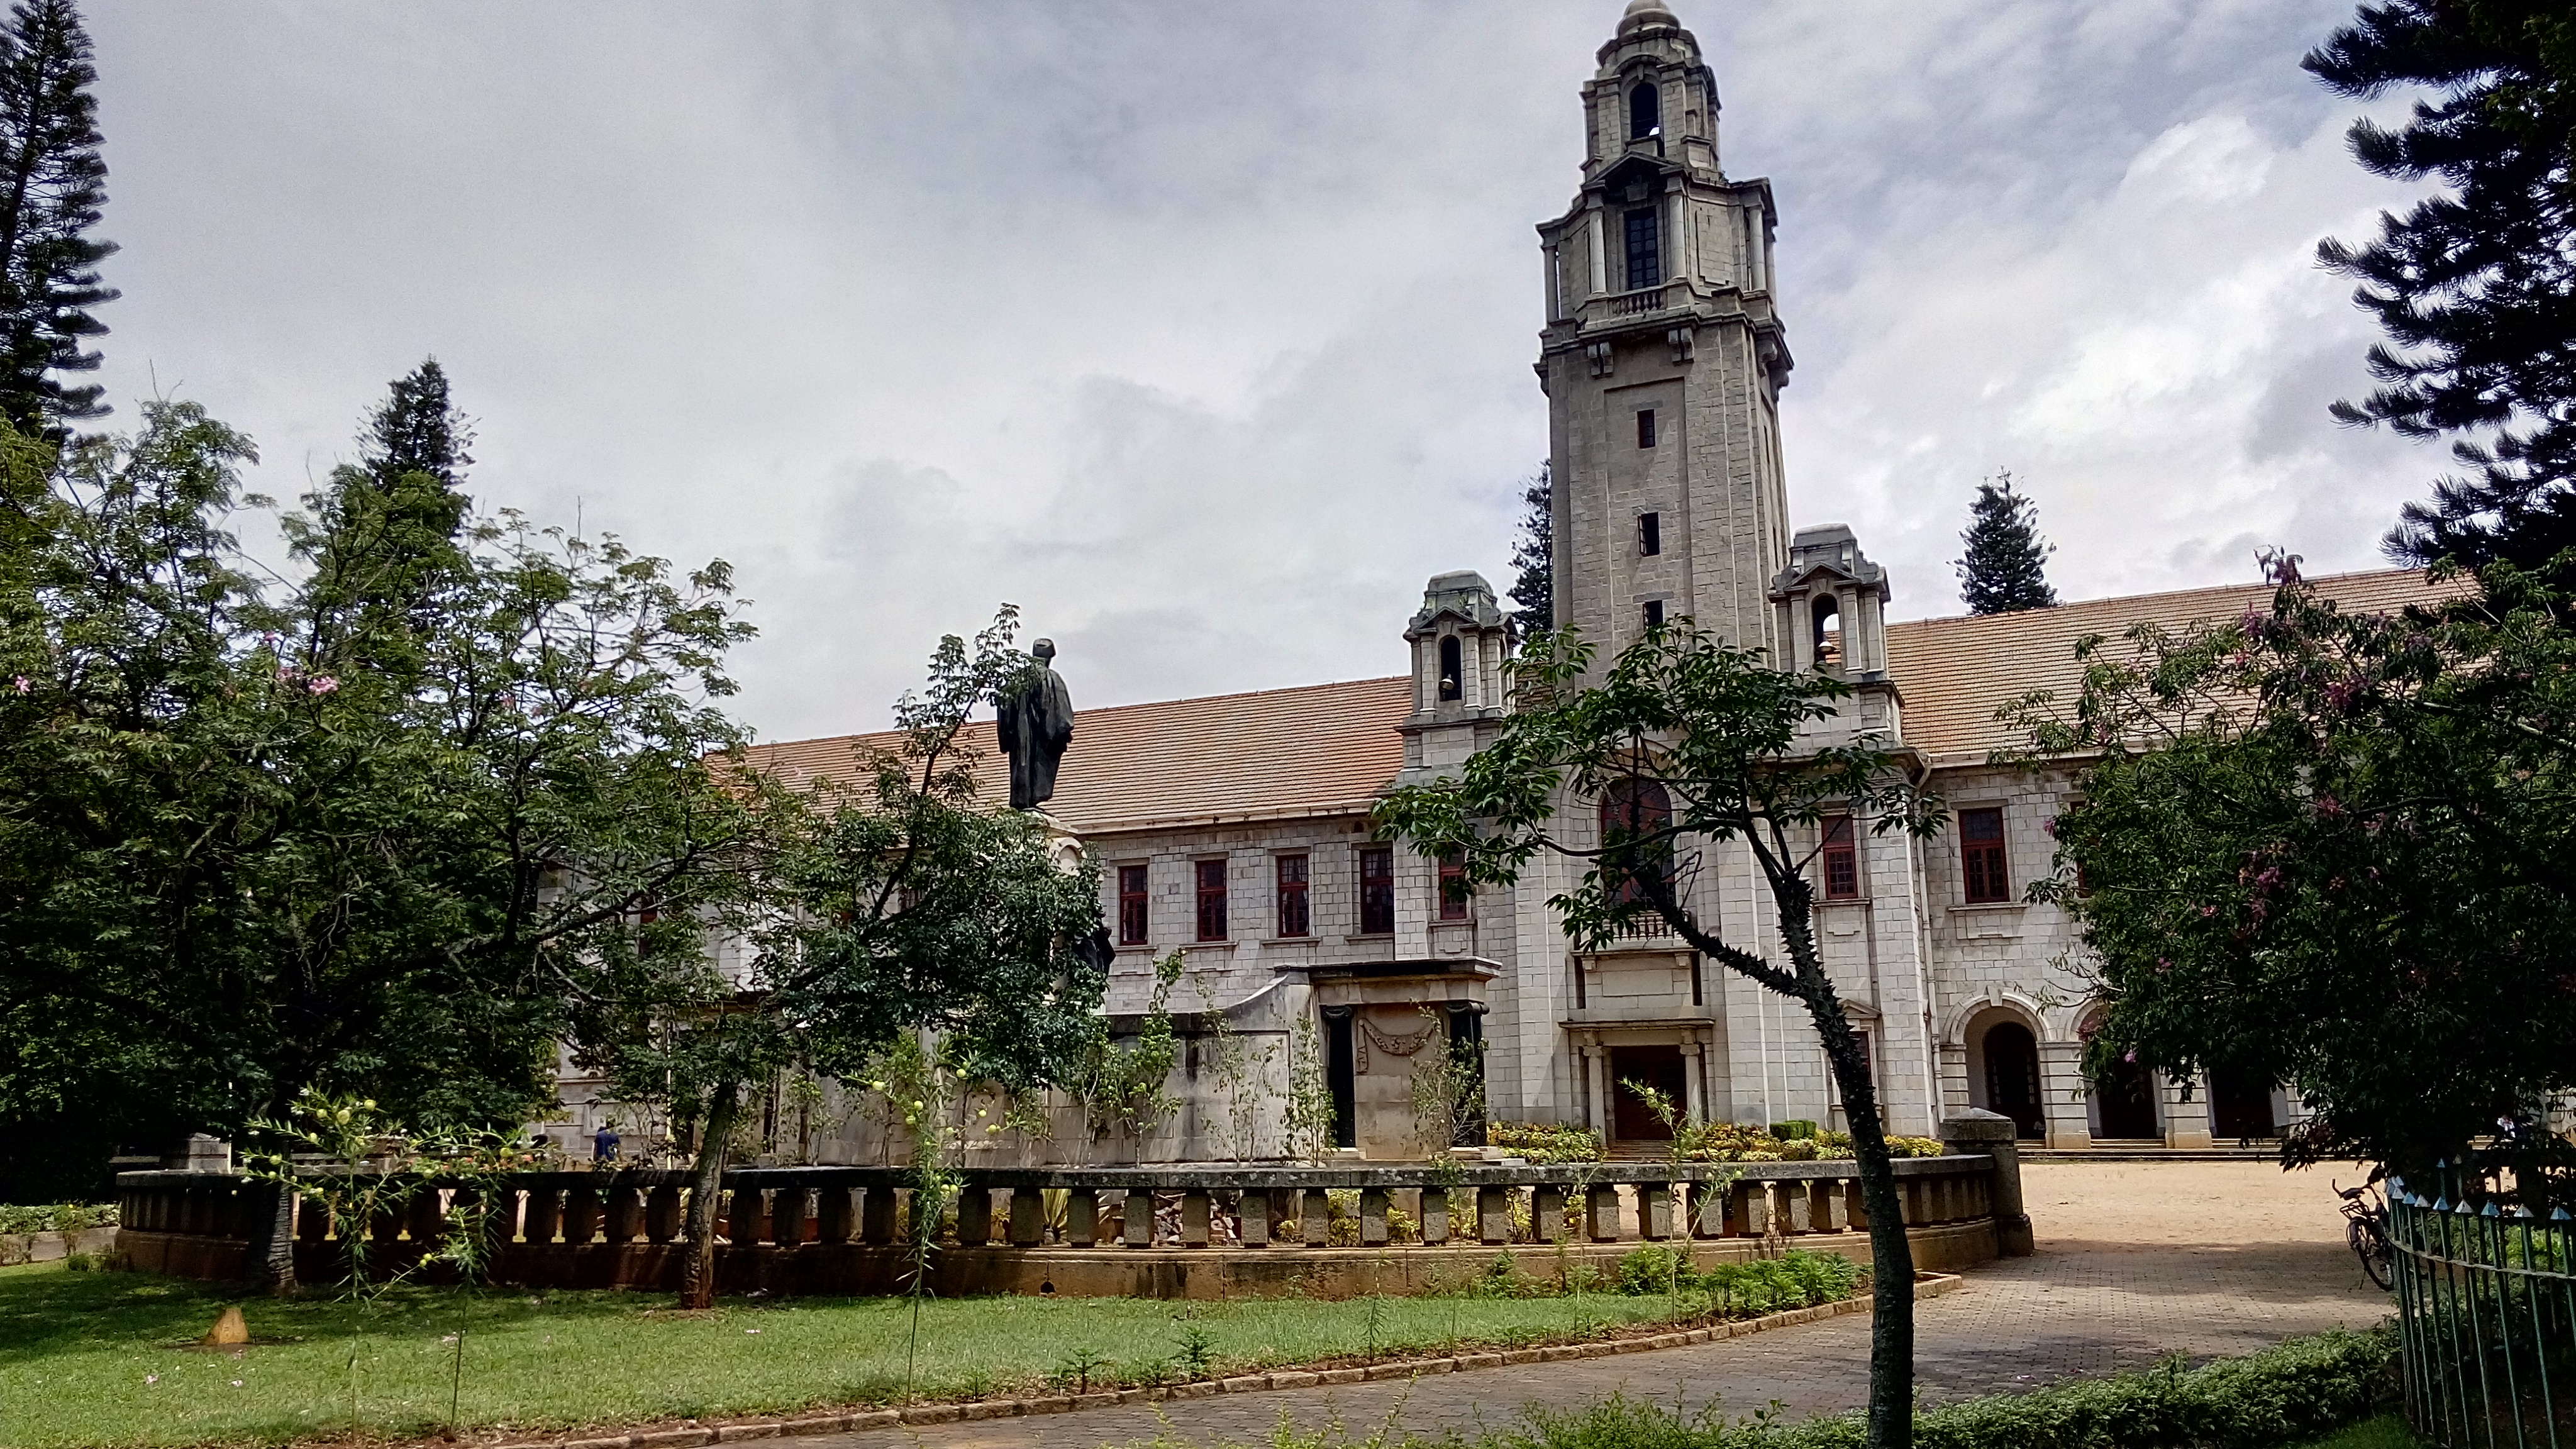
[
  {"x": 2208, "y": 911},
  {"x": 322, "y": 684},
  {"x": 24, "y": 684}
]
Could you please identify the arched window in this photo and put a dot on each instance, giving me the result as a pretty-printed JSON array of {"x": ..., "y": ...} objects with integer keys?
[
  {"x": 1452, "y": 681},
  {"x": 1829, "y": 631},
  {"x": 1645, "y": 111},
  {"x": 1631, "y": 809}
]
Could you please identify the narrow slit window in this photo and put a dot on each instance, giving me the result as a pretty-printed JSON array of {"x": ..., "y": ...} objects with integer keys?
[
  {"x": 1841, "y": 860},
  {"x": 1645, "y": 427},
  {"x": 1452, "y": 677},
  {"x": 1654, "y": 613},
  {"x": 1294, "y": 919},
  {"x": 1645, "y": 248},
  {"x": 1650, "y": 534},
  {"x": 1453, "y": 887},
  {"x": 1981, "y": 857},
  {"x": 1132, "y": 912},
  {"x": 1211, "y": 881},
  {"x": 1377, "y": 891},
  {"x": 1645, "y": 111}
]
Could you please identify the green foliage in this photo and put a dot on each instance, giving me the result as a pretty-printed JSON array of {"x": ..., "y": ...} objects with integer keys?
[
  {"x": 1308, "y": 1112},
  {"x": 1797, "y": 1129},
  {"x": 256, "y": 845},
  {"x": 1196, "y": 1355},
  {"x": 1123, "y": 1085},
  {"x": 1795, "y": 1279},
  {"x": 2331, "y": 850},
  {"x": 61, "y": 1217},
  {"x": 54, "y": 188},
  {"x": 2004, "y": 568},
  {"x": 347, "y": 1158},
  {"x": 2475, "y": 284},
  {"x": 1544, "y": 1143},
  {"x": 1533, "y": 555}
]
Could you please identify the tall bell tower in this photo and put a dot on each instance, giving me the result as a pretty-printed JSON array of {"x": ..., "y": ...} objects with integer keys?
[{"x": 1663, "y": 358}]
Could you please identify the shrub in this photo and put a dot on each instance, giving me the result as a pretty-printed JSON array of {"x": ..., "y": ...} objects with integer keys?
[
  {"x": 1545, "y": 1142},
  {"x": 1796, "y": 1129},
  {"x": 61, "y": 1217}
]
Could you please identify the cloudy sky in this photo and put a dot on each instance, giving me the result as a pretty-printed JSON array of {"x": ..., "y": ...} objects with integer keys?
[{"x": 1203, "y": 331}]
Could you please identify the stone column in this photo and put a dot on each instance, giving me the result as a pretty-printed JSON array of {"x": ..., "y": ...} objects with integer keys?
[
  {"x": 2064, "y": 1095},
  {"x": 876, "y": 1215},
  {"x": 1315, "y": 1217},
  {"x": 1435, "y": 1216},
  {"x": 1494, "y": 1214},
  {"x": 1992, "y": 1133},
  {"x": 1252, "y": 1217},
  {"x": 1136, "y": 1215},
  {"x": 661, "y": 1214},
  {"x": 1601, "y": 1212},
  {"x": 1373, "y": 1229},
  {"x": 1028, "y": 1217},
  {"x": 1082, "y": 1217},
  {"x": 1694, "y": 1099},
  {"x": 1547, "y": 1213},
  {"x": 974, "y": 1217},
  {"x": 2186, "y": 1123}
]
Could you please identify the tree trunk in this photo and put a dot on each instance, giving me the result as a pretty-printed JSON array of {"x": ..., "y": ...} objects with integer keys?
[
  {"x": 1891, "y": 1254},
  {"x": 271, "y": 1259},
  {"x": 706, "y": 1184}
]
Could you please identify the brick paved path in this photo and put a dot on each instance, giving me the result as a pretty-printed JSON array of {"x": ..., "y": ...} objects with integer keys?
[{"x": 2135, "y": 1261}]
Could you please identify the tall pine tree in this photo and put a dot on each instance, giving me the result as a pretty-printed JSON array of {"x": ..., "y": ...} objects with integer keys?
[
  {"x": 1533, "y": 591},
  {"x": 2005, "y": 566},
  {"x": 52, "y": 184},
  {"x": 383, "y": 534},
  {"x": 2475, "y": 286}
]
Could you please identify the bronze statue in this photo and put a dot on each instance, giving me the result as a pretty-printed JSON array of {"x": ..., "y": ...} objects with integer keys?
[{"x": 1035, "y": 717}]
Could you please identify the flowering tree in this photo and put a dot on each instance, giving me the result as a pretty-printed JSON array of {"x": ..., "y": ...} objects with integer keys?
[{"x": 2335, "y": 850}]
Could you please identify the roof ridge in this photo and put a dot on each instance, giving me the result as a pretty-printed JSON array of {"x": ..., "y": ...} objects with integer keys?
[
  {"x": 1101, "y": 709},
  {"x": 2148, "y": 598}
]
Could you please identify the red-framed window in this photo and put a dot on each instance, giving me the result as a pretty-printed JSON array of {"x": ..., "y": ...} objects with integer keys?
[
  {"x": 1630, "y": 809},
  {"x": 1132, "y": 913},
  {"x": 1981, "y": 856},
  {"x": 1841, "y": 858},
  {"x": 1211, "y": 881},
  {"x": 1377, "y": 890},
  {"x": 1453, "y": 887},
  {"x": 1294, "y": 919}
]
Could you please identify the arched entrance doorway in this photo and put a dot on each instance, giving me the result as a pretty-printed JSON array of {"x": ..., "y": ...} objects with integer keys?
[
  {"x": 2124, "y": 1101},
  {"x": 2011, "y": 1062},
  {"x": 2240, "y": 1107}
]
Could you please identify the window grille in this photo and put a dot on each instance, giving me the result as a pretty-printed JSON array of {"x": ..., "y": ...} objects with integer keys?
[{"x": 1377, "y": 891}]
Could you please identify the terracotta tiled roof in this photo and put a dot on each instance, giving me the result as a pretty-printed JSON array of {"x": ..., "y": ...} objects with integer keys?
[
  {"x": 1319, "y": 749},
  {"x": 1955, "y": 673}
]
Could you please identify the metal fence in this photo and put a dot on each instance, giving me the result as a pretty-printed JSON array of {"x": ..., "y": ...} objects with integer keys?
[{"x": 2485, "y": 1268}]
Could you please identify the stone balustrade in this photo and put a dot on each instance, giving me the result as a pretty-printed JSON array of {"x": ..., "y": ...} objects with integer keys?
[{"x": 840, "y": 1229}]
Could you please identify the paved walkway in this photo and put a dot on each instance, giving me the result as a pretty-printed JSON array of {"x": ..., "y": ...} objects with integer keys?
[{"x": 2135, "y": 1261}]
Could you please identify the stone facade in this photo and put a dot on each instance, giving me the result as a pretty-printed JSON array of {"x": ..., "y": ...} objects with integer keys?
[{"x": 1662, "y": 356}]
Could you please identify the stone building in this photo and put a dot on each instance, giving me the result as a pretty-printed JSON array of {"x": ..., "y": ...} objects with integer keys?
[{"x": 1235, "y": 829}]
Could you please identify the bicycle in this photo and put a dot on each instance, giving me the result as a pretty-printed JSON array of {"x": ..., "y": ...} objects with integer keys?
[{"x": 2365, "y": 1231}]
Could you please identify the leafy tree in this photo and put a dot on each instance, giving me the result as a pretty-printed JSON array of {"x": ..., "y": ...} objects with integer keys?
[
  {"x": 2474, "y": 286},
  {"x": 2334, "y": 850},
  {"x": 2005, "y": 567},
  {"x": 243, "y": 854},
  {"x": 900, "y": 904},
  {"x": 1694, "y": 746},
  {"x": 52, "y": 185},
  {"x": 1533, "y": 555}
]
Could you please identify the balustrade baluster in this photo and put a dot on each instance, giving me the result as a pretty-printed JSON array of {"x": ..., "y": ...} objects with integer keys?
[
  {"x": 787, "y": 1217},
  {"x": 1136, "y": 1216},
  {"x": 975, "y": 1217},
  {"x": 1494, "y": 1215},
  {"x": 424, "y": 1211},
  {"x": 1315, "y": 1216},
  {"x": 1435, "y": 1216},
  {"x": 1855, "y": 1206},
  {"x": 1028, "y": 1217},
  {"x": 580, "y": 1214},
  {"x": 1082, "y": 1217},
  {"x": 1601, "y": 1212},
  {"x": 1654, "y": 1211},
  {"x": 1825, "y": 1205},
  {"x": 1373, "y": 1223},
  {"x": 622, "y": 1220},
  {"x": 832, "y": 1217},
  {"x": 876, "y": 1215},
  {"x": 1252, "y": 1217},
  {"x": 543, "y": 1215},
  {"x": 662, "y": 1214},
  {"x": 1547, "y": 1213},
  {"x": 1194, "y": 1217}
]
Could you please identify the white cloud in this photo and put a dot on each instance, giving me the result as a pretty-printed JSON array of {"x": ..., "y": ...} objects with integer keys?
[{"x": 1204, "y": 334}]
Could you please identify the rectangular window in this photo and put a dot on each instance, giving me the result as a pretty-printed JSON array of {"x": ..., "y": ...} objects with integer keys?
[
  {"x": 1842, "y": 860},
  {"x": 1645, "y": 247},
  {"x": 1293, "y": 918},
  {"x": 1377, "y": 891},
  {"x": 1650, "y": 534},
  {"x": 1981, "y": 856},
  {"x": 1453, "y": 888},
  {"x": 1132, "y": 914},
  {"x": 1654, "y": 613},
  {"x": 1211, "y": 900},
  {"x": 1645, "y": 427}
]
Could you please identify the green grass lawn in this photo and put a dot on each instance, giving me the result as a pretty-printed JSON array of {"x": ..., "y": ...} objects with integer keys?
[
  {"x": 95, "y": 1358},
  {"x": 2385, "y": 1432}
]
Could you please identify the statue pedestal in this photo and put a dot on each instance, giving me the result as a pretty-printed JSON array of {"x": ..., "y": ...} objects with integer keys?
[{"x": 1063, "y": 846}]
